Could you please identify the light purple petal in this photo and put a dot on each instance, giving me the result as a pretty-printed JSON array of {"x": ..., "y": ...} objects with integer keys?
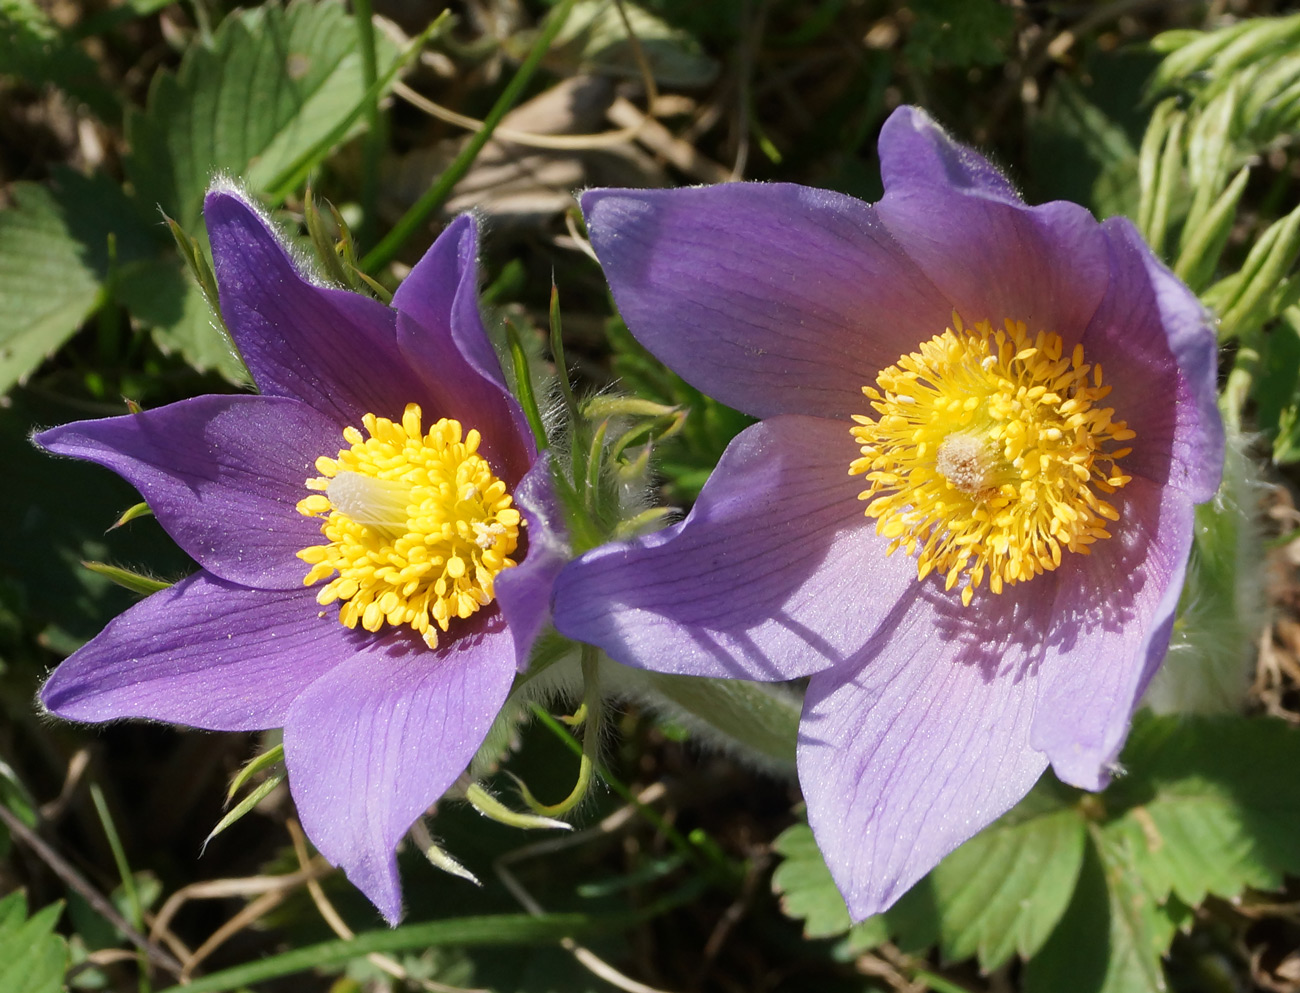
[
  {"x": 441, "y": 335},
  {"x": 524, "y": 592},
  {"x": 775, "y": 573},
  {"x": 222, "y": 474},
  {"x": 1157, "y": 346},
  {"x": 334, "y": 350},
  {"x": 373, "y": 743},
  {"x": 905, "y": 755},
  {"x": 203, "y": 653},
  {"x": 1112, "y": 618},
  {"x": 915, "y": 151},
  {"x": 994, "y": 260},
  {"x": 771, "y": 298}
]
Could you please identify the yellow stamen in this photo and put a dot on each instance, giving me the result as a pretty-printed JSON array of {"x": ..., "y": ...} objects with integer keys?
[
  {"x": 417, "y": 527},
  {"x": 989, "y": 455}
]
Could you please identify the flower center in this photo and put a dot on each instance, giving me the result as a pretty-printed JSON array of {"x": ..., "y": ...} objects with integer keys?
[
  {"x": 989, "y": 455},
  {"x": 417, "y": 527}
]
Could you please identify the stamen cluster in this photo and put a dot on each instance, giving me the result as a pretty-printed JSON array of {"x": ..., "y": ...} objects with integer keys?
[
  {"x": 417, "y": 527},
  {"x": 989, "y": 455}
]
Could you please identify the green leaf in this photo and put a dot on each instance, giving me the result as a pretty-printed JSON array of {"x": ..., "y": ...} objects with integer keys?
[
  {"x": 37, "y": 251},
  {"x": 1209, "y": 806},
  {"x": 1111, "y": 938},
  {"x": 274, "y": 81},
  {"x": 33, "y": 48},
  {"x": 805, "y": 886},
  {"x": 32, "y": 957},
  {"x": 1277, "y": 391}
]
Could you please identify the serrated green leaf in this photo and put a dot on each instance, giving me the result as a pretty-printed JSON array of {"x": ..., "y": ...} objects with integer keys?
[
  {"x": 805, "y": 886},
  {"x": 32, "y": 957},
  {"x": 1110, "y": 939},
  {"x": 1209, "y": 806},
  {"x": 37, "y": 251},
  {"x": 274, "y": 81}
]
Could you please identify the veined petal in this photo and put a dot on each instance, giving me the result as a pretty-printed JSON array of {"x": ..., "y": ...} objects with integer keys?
[
  {"x": 1157, "y": 344},
  {"x": 775, "y": 299},
  {"x": 996, "y": 261},
  {"x": 916, "y": 151},
  {"x": 204, "y": 653},
  {"x": 441, "y": 335},
  {"x": 334, "y": 350},
  {"x": 1111, "y": 622},
  {"x": 223, "y": 475},
  {"x": 775, "y": 573},
  {"x": 524, "y": 592},
  {"x": 371, "y": 745},
  {"x": 920, "y": 743}
]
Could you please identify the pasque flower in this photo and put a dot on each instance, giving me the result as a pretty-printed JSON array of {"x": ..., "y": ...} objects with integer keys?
[
  {"x": 967, "y": 510},
  {"x": 367, "y": 580}
]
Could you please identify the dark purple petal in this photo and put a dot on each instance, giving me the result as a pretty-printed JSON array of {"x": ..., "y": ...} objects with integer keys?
[
  {"x": 222, "y": 474},
  {"x": 1157, "y": 346},
  {"x": 995, "y": 261},
  {"x": 334, "y": 350},
  {"x": 771, "y": 298},
  {"x": 441, "y": 335},
  {"x": 923, "y": 742},
  {"x": 915, "y": 151},
  {"x": 775, "y": 573},
  {"x": 524, "y": 592},
  {"x": 373, "y": 743},
  {"x": 203, "y": 653},
  {"x": 1111, "y": 623}
]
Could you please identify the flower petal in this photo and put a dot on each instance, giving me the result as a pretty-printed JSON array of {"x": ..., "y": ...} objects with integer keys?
[
  {"x": 336, "y": 351},
  {"x": 223, "y": 475},
  {"x": 995, "y": 260},
  {"x": 1163, "y": 369},
  {"x": 771, "y": 298},
  {"x": 441, "y": 335},
  {"x": 374, "y": 742},
  {"x": 1112, "y": 618},
  {"x": 524, "y": 592},
  {"x": 774, "y": 574},
  {"x": 908, "y": 753},
  {"x": 916, "y": 151},
  {"x": 203, "y": 653}
]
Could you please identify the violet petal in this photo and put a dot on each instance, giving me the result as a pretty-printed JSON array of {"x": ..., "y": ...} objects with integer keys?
[
  {"x": 995, "y": 261},
  {"x": 1160, "y": 357},
  {"x": 775, "y": 573},
  {"x": 916, "y": 151},
  {"x": 771, "y": 298},
  {"x": 334, "y": 350},
  {"x": 905, "y": 755},
  {"x": 441, "y": 335},
  {"x": 373, "y": 743},
  {"x": 524, "y": 592},
  {"x": 1112, "y": 618},
  {"x": 203, "y": 653},
  {"x": 222, "y": 474}
]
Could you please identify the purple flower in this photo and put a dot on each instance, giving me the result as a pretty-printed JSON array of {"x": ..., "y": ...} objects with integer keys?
[
  {"x": 366, "y": 581},
  {"x": 1021, "y": 400}
]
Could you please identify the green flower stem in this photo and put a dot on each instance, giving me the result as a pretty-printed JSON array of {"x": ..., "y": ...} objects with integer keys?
[
  {"x": 591, "y": 731},
  {"x": 436, "y": 195},
  {"x": 489, "y": 806}
]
